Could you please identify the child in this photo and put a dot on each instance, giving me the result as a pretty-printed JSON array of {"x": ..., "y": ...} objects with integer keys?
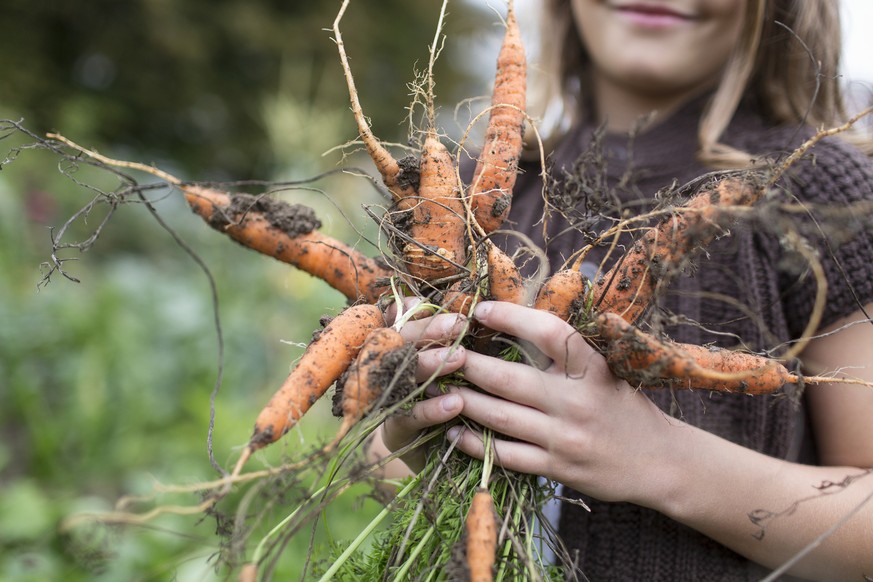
[{"x": 690, "y": 485}]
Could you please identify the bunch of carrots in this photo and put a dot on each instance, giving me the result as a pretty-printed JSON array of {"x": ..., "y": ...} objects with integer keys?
[{"x": 439, "y": 230}]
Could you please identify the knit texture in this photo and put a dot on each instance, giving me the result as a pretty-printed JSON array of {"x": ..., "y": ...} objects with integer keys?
[{"x": 749, "y": 291}]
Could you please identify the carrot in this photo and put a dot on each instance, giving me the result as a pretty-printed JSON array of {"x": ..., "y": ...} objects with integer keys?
[
  {"x": 460, "y": 297},
  {"x": 328, "y": 355},
  {"x": 382, "y": 359},
  {"x": 643, "y": 359},
  {"x": 437, "y": 227},
  {"x": 481, "y": 528},
  {"x": 289, "y": 233},
  {"x": 563, "y": 294},
  {"x": 504, "y": 281},
  {"x": 494, "y": 177},
  {"x": 629, "y": 287}
]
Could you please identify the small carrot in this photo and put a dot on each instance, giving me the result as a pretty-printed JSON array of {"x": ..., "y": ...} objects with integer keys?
[
  {"x": 481, "y": 528},
  {"x": 504, "y": 281},
  {"x": 325, "y": 359},
  {"x": 437, "y": 227},
  {"x": 382, "y": 359},
  {"x": 563, "y": 294},
  {"x": 629, "y": 287},
  {"x": 643, "y": 359},
  {"x": 494, "y": 177},
  {"x": 460, "y": 297},
  {"x": 289, "y": 233}
]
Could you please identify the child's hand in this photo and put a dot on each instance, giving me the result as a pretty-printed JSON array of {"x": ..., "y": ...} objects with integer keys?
[{"x": 574, "y": 420}]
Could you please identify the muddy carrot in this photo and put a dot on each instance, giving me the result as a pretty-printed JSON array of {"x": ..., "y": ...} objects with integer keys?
[
  {"x": 563, "y": 294},
  {"x": 289, "y": 233},
  {"x": 328, "y": 355},
  {"x": 504, "y": 281},
  {"x": 376, "y": 367},
  {"x": 460, "y": 297},
  {"x": 481, "y": 528},
  {"x": 494, "y": 177},
  {"x": 643, "y": 359},
  {"x": 629, "y": 287},
  {"x": 437, "y": 227}
]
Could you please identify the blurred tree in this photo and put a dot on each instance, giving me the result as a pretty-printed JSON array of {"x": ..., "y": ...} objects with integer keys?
[{"x": 186, "y": 81}]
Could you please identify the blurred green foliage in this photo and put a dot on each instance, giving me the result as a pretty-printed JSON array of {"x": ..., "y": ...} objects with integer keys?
[
  {"x": 105, "y": 384},
  {"x": 187, "y": 81}
]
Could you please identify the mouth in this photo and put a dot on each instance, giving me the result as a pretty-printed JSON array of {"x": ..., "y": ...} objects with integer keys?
[{"x": 651, "y": 14}]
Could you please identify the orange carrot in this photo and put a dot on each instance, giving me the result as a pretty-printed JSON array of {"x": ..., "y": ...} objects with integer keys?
[
  {"x": 494, "y": 177},
  {"x": 629, "y": 287},
  {"x": 642, "y": 359},
  {"x": 289, "y": 233},
  {"x": 460, "y": 297},
  {"x": 437, "y": 227},
  {"x": 383, "y": 359},
  {"x": 563, "y": 294},
  {"x": 481, "y": 536},
  {"x": 504, "y": 281},
  {"x": 328, "y": 355}
]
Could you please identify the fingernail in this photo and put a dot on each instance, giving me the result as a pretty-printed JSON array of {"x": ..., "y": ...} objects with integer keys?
[
  {"x": 482, "y": 310},
  {"x": 451, "y": 402},
  {"x": 432, "y": 390},
  {"x": 453, "y": 433}
]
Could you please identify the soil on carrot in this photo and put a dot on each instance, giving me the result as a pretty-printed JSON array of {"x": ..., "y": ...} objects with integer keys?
[
  {"x": 396, "y": 373},
  {"x": 410, "y": 172},
  {"x": 292, "y": 219}
]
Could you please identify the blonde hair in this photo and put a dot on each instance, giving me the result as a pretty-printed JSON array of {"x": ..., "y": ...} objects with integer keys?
[{"x": 787, "y": 61}]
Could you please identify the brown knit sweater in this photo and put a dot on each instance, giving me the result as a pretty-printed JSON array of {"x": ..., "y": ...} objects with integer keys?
[{"x": 749, "y": 291}]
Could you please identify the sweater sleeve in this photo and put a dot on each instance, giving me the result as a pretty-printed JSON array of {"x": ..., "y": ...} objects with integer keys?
[{"x": 835, "y": 187}]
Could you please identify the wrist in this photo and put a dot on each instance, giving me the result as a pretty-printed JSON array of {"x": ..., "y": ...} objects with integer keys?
[{"x": 675, "y": 462}]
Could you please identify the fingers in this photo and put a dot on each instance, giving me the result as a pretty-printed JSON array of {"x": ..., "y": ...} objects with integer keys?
[
  {"x": 437, "y": 330},
  {"x": 511, "y": 455},
  {"x": 555, "y": 338},
  {"x": 511, "y": 381},
  {"x": 439, "y": 362},
  {"x": 510, "y": 418},
  {"x": 400, "y": 429}
]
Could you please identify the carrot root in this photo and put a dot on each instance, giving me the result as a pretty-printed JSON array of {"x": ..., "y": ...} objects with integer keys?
[
  {"x": 289, "y": 233},
  {"x": 481, "y": 525},
  {"x": 645, "y": 360},
  {"x": 325, "y": 359},
  {"x": 564, "y": 294},
  {"x": 383, "y": 363},
  {"x": 504, "y": 281},
  {"x": 497, "y": 167},
  {"x": 629, "y": 287},
  {"x": 437, "y": 227}
]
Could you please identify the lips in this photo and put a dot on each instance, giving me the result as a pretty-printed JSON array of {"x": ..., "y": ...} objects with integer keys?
[
  {"x": 652, "y": 9},
  {"x": 651, "y": 14}
]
